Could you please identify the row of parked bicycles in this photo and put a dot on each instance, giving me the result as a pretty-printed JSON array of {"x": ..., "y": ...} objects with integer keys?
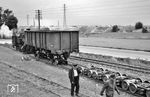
[{"x": 123, "y": 81}]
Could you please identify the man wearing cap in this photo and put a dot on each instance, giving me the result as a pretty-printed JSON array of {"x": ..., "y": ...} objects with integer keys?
[
  {"x": 74, "y": 79},
  {"x": 109, "y": 87}
]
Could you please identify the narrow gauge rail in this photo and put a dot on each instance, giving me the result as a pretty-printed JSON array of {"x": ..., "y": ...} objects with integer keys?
[{"x": 106, "y": 63}]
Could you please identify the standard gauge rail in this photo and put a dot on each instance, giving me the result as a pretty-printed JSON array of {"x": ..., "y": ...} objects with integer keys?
[{"x": 118, "y": 65}]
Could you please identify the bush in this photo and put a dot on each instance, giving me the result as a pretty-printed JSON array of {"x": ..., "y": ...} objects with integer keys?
[
  {"x": 138, "y": 25},
  {"x": 115, "y": 28},
  {"x": 7, "y": 18},
  {"x": 11, "y": 22},
  {"x": 144, "y": 30}
]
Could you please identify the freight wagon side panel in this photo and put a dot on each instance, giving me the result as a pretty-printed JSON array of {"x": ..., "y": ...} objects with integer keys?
[
  {"x": 57, "y": 41},
  {"x": 30, "y": 38},
  {"x": 75, "y": 41},
  {"x": 40, "y": 39},
  {"x": 37, "y": 39},
  {"x": 28, "y": 34},
  {"x": 26, "y": 40},
  {"x": 65, "y": 41},
  {"x": 44, "y": 40},
  {"x": 53, "y": 41},
  {"x": 33, "y": 39}
]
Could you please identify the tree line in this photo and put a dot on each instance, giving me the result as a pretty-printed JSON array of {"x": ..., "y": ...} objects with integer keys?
[
  {"x": 138, "y": 25},
  {"x": 7, "y": 18}
]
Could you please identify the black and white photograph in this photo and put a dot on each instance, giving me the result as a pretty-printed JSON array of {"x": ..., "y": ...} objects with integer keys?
[{"x": 74, "y": 48}]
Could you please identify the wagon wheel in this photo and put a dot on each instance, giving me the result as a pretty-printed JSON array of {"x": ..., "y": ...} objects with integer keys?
[
  {"x": 124, "y": 75},
  {"x": 139, "y": 80},
  {"x": 147, "y": 82},
  {"x": 81, "y": 70},
  {"x": 117, "y": 81},
  {"x": 104, "y": 78},
  {"x": 50, "y": 61},
  {"x": 37, "y": 57},
  {"x": 148, "y": 93},
  {"x": 99, "y": 77},
  {"x": 118, "y": 74},
  {"x": 66, "y": 62},
  {"x": 101, "y": 69},
  {"x": 94, "y": 75},
  {"x": 125, "y": 85},
  {"x": 55, "y": 62},
  {"x": 132, "y": 88},
  {"x": 15, "y": 47},
  {"x": 19, "y": 48},
  {"x": 85, "y": 71},
  {"x": 89, "y": 74}
]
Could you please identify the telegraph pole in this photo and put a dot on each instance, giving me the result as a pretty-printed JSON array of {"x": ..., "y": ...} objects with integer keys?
[
  {"x": 27, "y": 20},
  {"x": 58, "y": 23},
  {"x": 33, "y": 22},
  {"x": 64, "y": 22},
  {"x": 38, "y": 16}
]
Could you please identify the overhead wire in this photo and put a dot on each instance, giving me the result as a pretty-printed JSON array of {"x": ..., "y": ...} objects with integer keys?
[
  {"x": 95, "y": 5},
  {"x": 88, "y": 10},
  {"x": 105, "y": 4}
]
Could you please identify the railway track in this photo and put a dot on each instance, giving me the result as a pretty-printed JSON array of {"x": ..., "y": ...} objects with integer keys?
[
  {"x": 45, "y": 81},
  {"x": 118, "y": 65},
  {"x": 67, "y": 67},
  {"x": 106, "y": 63},
  {"x": 133, "y": 68}
]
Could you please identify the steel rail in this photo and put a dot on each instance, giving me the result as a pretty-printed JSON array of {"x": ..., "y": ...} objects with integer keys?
[{"x": 112, "y": 64}]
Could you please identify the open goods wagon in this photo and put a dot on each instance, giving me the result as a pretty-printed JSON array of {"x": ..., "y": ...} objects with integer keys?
[{"x": 55, "y": 45}]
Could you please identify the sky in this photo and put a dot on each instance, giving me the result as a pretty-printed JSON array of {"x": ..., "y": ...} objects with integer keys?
[{"x": 81, "y": 12}]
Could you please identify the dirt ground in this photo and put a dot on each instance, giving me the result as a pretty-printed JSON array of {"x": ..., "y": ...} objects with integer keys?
[
  {"x": 37, "y": 79},
  {"x": 25, "y": 88}
]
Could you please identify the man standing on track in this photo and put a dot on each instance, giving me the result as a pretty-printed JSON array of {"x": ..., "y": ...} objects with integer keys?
[
  {"x": 109, "y": 87},
  {"x": 74, "y": 79}
]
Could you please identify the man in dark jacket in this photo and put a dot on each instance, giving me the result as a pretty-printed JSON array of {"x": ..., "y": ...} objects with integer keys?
[
  {"x": 109, "y": 87},
  {"x": 74, "y": 79}
]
